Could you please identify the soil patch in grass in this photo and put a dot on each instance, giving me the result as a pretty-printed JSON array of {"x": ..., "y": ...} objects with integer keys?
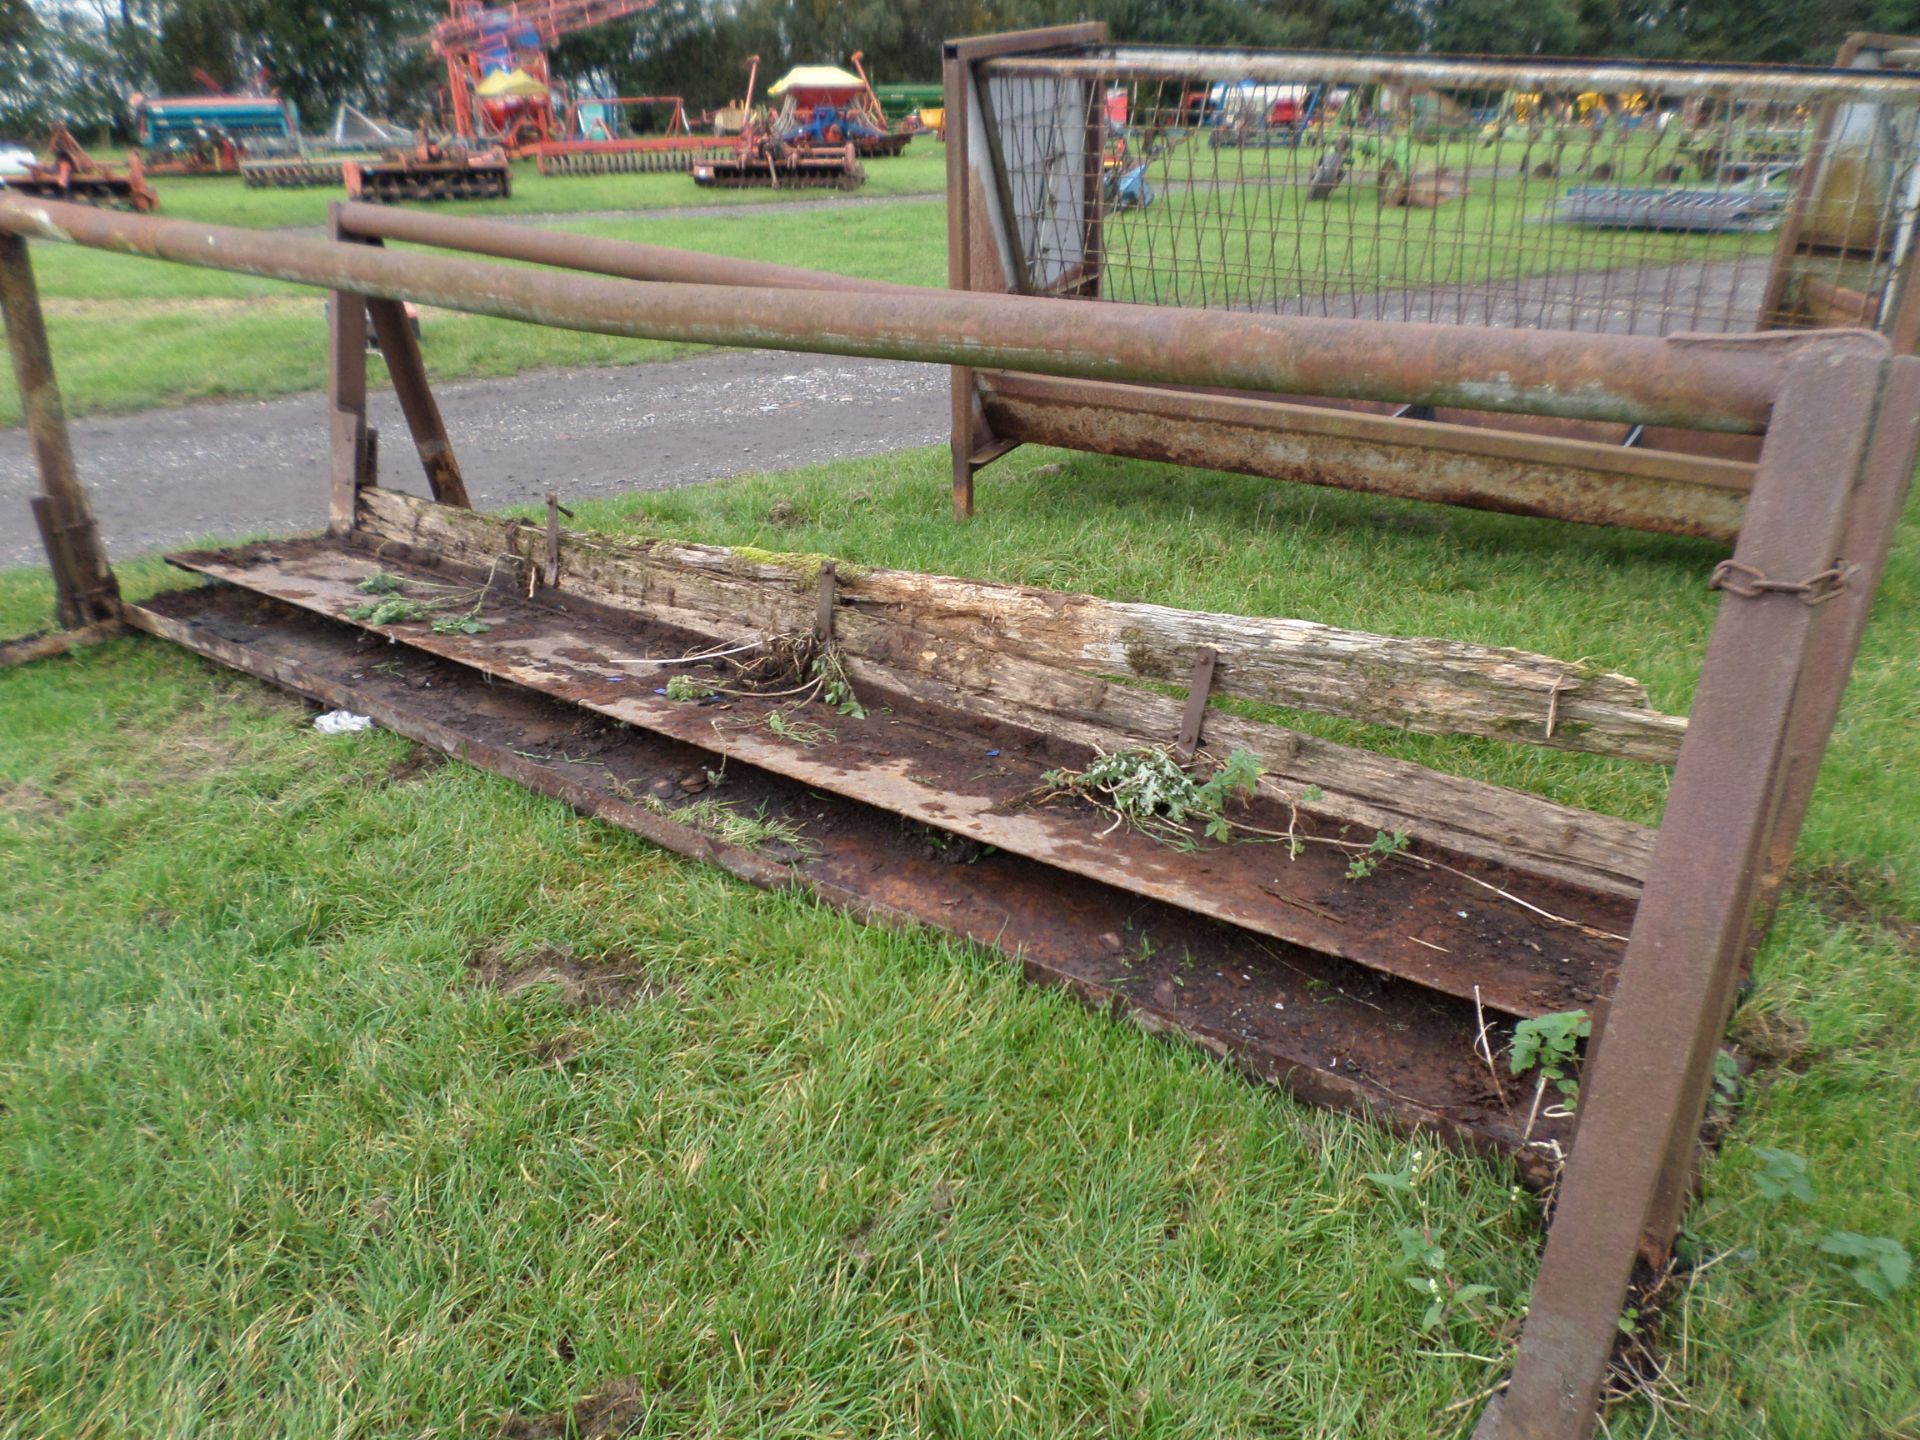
[
  {"x": 1852, "y": 894},
  {"x": 616, "y": 1409},
  {"x": 612, "y": 981}
]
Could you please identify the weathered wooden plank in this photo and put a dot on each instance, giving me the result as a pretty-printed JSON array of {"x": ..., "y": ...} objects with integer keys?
[
  {"x": 1432, "y": 686},
  {"x": 1360, "y": 787},
  {"x": 939, "y": 765}
]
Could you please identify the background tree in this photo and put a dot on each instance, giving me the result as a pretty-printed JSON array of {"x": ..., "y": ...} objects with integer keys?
[{"x": 79, "y": 60}]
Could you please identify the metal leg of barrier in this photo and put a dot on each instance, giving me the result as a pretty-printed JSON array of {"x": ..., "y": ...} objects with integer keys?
[
  {"x": 87, "y": 593},
  {"x": 350, "y": 453},
  {"x": 1646, "y": 1083},
  {"x": 1877, "y": 509},
  {"x": 407, "y": 369}
]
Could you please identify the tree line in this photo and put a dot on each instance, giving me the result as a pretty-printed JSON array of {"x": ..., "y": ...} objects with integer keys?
[{"x": 78, "y": 61}]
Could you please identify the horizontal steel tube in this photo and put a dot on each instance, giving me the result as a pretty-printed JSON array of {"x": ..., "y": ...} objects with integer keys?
[
  {"x": 1788, "y": 84},
  {"x": 1711, "y": 385},
  {"x": 625, "y": 259},
  {"x": 1450, "y": 464}
]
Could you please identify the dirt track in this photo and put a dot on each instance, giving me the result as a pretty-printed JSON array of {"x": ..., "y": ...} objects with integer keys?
[{"x": 259, "y": 467}]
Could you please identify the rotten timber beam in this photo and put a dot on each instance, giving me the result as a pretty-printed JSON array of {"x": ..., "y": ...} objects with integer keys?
[
  {"x": 1428, "y": 685},
  {"x": 886, "y": 624}
]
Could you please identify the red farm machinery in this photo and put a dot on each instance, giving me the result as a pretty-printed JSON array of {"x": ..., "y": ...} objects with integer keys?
[
  {"x": 430, "y": 171},
  {"x": 68, "y": 172},
  {"x": 499, "y": 89},
  {"x": 603, "y": 137},
  {"x": 804, "y": 143}
]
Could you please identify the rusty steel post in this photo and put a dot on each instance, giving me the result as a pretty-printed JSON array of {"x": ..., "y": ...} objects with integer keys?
[
  {"x": 1645, "y": 1085},
  {"x": 84, "y": 584},
  {"x": 971, "y": 227},
  {"x": 1882, "y": 500},
  {"x": 1696, "y": 384},
  {"x": 407, "y": 369},
  {"x": 347, "y": 445}
]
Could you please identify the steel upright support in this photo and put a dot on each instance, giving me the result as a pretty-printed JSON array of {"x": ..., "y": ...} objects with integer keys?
[
  {"x": 407, "y": 369},
  {"x": 1877, "y": 510},
  {"x": 84, "y": 585},
  {"x": 1646, "y": 1082},
  {"x": 350, "y": 459}
]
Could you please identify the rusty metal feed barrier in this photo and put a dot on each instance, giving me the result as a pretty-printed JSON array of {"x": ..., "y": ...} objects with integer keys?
[
  {"x": 1712, "y": 387},
  {"x": 1402, "y": 967},
  {"x": 1499, "y": 195}
]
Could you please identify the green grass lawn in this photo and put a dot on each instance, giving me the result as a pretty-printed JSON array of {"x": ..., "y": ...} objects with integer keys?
[
  {"x": 1235, "y": 227},
  {"x": 271, "y": 1162},
  {"x": 225, "y": 200}
]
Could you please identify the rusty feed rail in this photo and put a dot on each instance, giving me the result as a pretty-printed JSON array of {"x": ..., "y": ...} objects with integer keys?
[
  {"x": 1839, "y": 415},
  {"x": 1623, "y": 378}
]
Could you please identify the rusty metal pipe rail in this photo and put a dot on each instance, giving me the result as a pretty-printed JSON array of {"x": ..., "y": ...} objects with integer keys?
[
  {"x": 622, "y": 259},
  {"x": 1711, "y": 385},
  {"x": 1788, "y": 84}
]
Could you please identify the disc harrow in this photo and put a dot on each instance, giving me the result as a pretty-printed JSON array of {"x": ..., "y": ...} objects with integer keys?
[
  {"x": 431, "y": 173},
  {"x": 784, "y": 168},
  {"x": 656, "y": 158},
  {"x": 292, "y": 174}
]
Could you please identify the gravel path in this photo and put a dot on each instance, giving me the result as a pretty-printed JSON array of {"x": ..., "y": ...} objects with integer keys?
[{"x": 166, "y": 476}]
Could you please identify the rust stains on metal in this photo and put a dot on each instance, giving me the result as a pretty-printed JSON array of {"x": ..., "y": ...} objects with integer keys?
[
  {"x": 1623, "y": 378},
  {"x": 86, "y": 592},
  {"x": 1419, "y": 460}
]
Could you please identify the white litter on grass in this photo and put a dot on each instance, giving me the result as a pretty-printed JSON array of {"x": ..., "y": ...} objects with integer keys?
[{"x": 341, "y": 722}]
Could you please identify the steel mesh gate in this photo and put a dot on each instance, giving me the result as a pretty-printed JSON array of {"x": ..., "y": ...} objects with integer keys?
[
  {"x": 1647, "y": 200},
  {"x": 1591, "y": 197}
]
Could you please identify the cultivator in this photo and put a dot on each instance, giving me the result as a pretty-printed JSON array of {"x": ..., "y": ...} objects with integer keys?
[
  {"x": 1403, "y": 922},
  {"x": 300, "y": 173},
  {"x": 652, "y": 157},
  {"x": 69, "y": 173},
  {"x": 429, "y": 172},
  {"x": 600, "y": 149},
  {"x": 781, "y": 152},
  {"x": 780, "y": 166}
]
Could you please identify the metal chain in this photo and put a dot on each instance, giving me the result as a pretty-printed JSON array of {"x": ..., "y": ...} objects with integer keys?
[{"x": 1747, "y": 582}]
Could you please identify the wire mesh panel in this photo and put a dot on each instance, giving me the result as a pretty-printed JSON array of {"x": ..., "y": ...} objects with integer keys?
[{"x": 1640, "y": 199}]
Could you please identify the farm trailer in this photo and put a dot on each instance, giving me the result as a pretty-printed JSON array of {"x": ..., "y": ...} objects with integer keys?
[
  {"x": 1498, "y": 906},
  {"x": 1453, "y": 191}
]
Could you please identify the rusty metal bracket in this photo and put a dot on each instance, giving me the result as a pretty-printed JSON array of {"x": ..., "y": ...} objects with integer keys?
[
  {"x": 823, "y": 603},
  {"x": 1747, "y": 582},
  {"x": 1199, "y": 689},
  {"x": 550, "y": 575}
]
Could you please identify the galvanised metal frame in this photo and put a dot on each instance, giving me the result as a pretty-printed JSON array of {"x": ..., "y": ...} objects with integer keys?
[
  {"x": 1658, "y": 477},
  {"x": 1840, "y": 416}
]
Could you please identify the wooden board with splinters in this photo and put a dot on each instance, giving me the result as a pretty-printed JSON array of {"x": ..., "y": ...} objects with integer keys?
[
  {"x": 1530, "y": 943},
  {"x": 905, "y": 642}
]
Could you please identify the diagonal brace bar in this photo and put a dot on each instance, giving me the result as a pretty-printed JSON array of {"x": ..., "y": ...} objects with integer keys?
[{"x": 87, "y": 592}]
